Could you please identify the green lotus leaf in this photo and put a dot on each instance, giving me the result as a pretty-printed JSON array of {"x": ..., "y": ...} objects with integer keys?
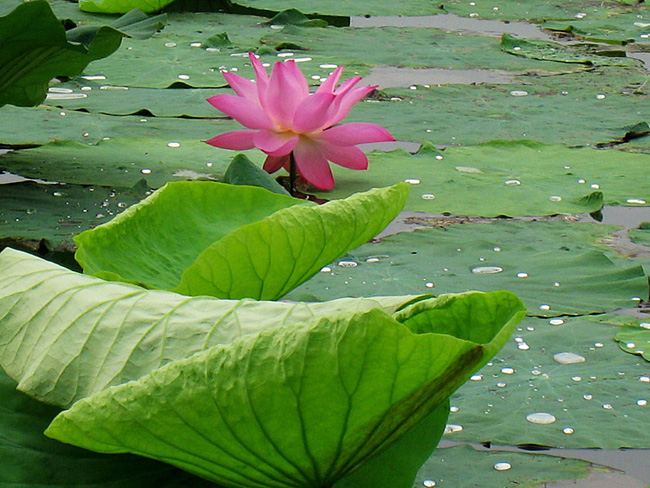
[
  {"x": 122, "y": 6},
  {"x": 298, "y": 405},
  {"x": 65, "y": 335},
  {"x": 230, "y": 241},
  {"x": 36, "y": 48},
  {"x": 635, "y": 339}
]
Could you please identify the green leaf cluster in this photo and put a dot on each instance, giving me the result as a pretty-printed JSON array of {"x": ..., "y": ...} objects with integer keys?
[{"x": 242, "y": 393}]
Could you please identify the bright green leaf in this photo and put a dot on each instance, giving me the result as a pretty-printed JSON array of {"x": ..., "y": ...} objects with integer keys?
[
  {"x": 242, "y": 171},
  {"x": 140, "y": 330},
  {"x": 305, "y": 404},
  {"x": 193, "y": 237},
  {"x": 122, "y": 6}
]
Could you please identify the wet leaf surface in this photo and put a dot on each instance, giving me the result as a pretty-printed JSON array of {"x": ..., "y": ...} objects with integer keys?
[{"x": 501, "y": 255}]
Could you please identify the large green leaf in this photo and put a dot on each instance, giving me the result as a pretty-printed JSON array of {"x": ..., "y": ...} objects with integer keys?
[
  {"x": 44, "y": 307},
  {"x": 122, "y": 6},
  {"x": 300, "y": 405},
  {"x": 585, "y": 277},
  {"x": 193, "y": 237},
  {"x": 36, "y": 49}
]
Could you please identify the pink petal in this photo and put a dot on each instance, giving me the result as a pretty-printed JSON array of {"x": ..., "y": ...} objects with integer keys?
[
  {"x": 345, "y": 102},
  {"x": 348, "y": 156},
  {"x": 274, "y": 143},
  {"x": 355, "y": 133},
  {"x": 347, "y": 85},
  {"x": 262, "y": 78},
  {"x": 243, "y": 87},
  {"x": 313, "y": 113},
  {"x": 237, "y": 140},
  {"x": 312, "y": 165},
  {"x": 328, "y": 85},
  {"x": 287, "y": 88},
  {"x": 247, "y": 113},
  {"x": 272, "y": 163}
]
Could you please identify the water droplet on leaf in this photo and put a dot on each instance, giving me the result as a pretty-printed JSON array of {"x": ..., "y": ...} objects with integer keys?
[{"x": 541, "y": 418}]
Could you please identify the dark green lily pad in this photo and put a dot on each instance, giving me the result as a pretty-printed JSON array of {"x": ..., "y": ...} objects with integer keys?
[
  {"x": 31, "y": 459},
  {"x": 588, "y": 54},
  {"x": 465, "y": 467},
  {"x": 56, "y": 213},
  {"x": 564, "y": 270},
  {"x": 36, "y": 50},
  {"x": 121, "y": 162},
  {"x": 511, "y": 178},
  {"x": 624, "y": 28},
  {"x": 635, "y": 339},
  {"x": 596, "y": 403}
]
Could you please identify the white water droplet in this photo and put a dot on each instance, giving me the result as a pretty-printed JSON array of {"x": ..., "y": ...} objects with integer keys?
[
  {"x": 469, "y": 170},
  {"x": 541, "y": 418},
  {"x": 568, "y": 430},
  {"x": 556, "y": 321},
  {"x": 645, "y": 325},
  {"x": 454, "y": 409},
  {"x": 439, "y": 157},
  {"x": 347, "y": 264},
  {"x": 630, "y": 345},
  {"x": 328, "y": 66},
  {"x": 568, "y": 358},
  {"x": 576, "y": 378},
  {"x": 636, "y": 201},
  {"x": 508, "y": 370},
  {"x": 518, "y": 93},
  {"x": 428, "y": 196},
  {"x": 476, "y": 377},
  {"x": 94, "y": 77},
  {"x": 555, "y": 198},
  {"x": 502, "y": 466},
  {"x": 429, "y": 483},
  {"x": 544, "y": 306},
  {"x": 512, "y": 182},
  {"x": 587, "y": 396},
  {"x": 145, "y": 171},
  {"x": 608, "y": 406},
  {"x": 196, "y": 44},
  {"x": 522, "y": 346},
  {"x": 302, "y": 60},
  {"x": 429, "y": 284},
  {"x": 412, "y": 181},
  {"x": 556, "y": 284},
  {"x": 598, "y": 344},
  {"x": 522, "y": 274},
  {"x": 170, "y": 44},
  {"x": 183, "y": 77},
  {"x": 284, "y": 55},
  {"x": 644, "y": 379},
  {"x": 581, "y": 181},
  {"x": 600, "y": 96},
  {"x": 452, "y": 428},
  {"x": 174, "y": 144},
  {"x": 642, "y": 402},
  {"x": 326, "y": 269},
  {"x": 595, "y": 186},
  {"x": 487, "y": 270}
]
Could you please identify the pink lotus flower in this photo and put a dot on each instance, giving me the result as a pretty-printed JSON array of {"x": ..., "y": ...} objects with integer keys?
[{"x": 284, "y": 118}]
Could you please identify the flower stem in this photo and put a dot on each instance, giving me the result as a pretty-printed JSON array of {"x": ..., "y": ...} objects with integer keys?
[{"x": 293, "y": 175}]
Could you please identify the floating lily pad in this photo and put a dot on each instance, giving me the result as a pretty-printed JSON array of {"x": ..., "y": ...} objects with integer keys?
[
  {"x": 617, "y": 29},
  {"x": 594, "y": 107},
  {"x": 635, "y": 339},
  {"x": 40, "y": 125},
  {"x": 588, "y": 54},
  {"x": 121, "y": 162},
  {"x": 511, "y": 178},
  {"x": 465, "y": 467},
  {"x": 555, "y": 267},
  {"x": 56, "y": 213},
  {"x": 641, "y": 235},
  {"x": 599, "y": 402}
]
